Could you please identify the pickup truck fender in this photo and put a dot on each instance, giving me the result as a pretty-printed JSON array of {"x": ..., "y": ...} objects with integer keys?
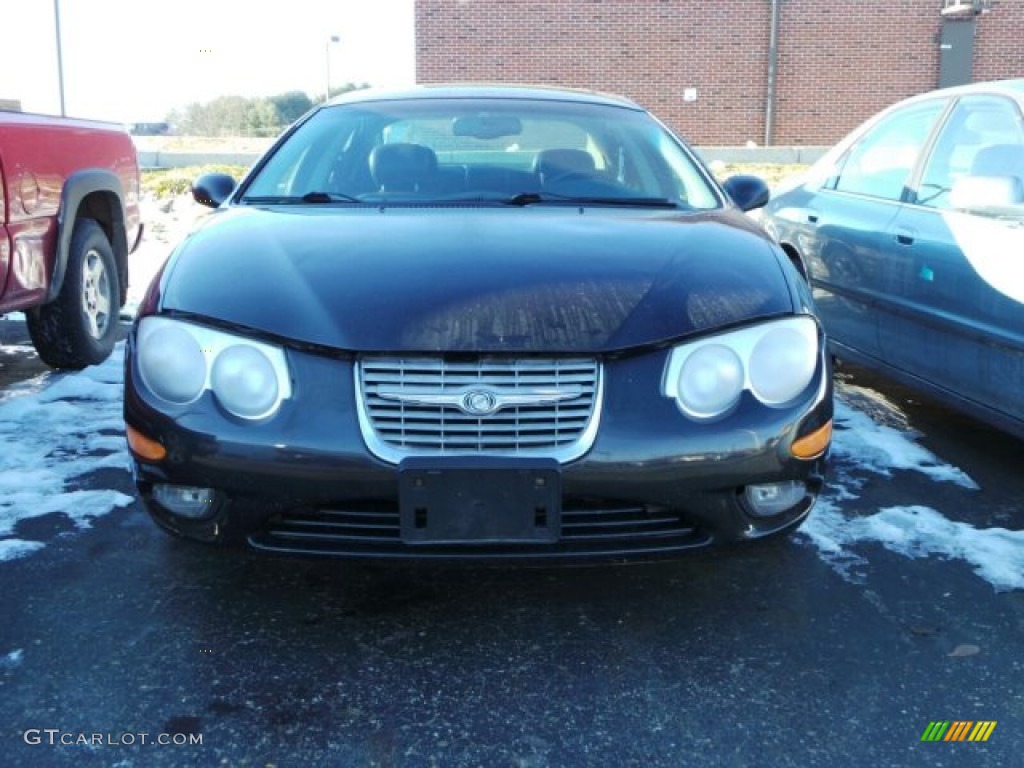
[{"x": 93, "y": 193}]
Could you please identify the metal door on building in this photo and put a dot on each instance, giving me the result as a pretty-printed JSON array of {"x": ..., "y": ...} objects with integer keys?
[{"x": 956, "y": 52}]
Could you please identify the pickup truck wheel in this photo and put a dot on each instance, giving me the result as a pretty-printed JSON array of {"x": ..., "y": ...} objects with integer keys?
[{"x": 79, "y": 327}]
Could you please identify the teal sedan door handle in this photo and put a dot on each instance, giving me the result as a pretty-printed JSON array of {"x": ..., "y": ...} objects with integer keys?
[{"x": 905, "y": 236}]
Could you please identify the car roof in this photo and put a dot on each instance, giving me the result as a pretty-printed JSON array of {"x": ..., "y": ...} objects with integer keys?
[
  {"x": 1012, "y": 88},
  {"x": 35, "y": 118},
  {"x": 486, "y": 91}
]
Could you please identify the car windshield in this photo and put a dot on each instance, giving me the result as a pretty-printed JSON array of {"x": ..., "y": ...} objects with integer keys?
[{"x": 512, "y": 151}]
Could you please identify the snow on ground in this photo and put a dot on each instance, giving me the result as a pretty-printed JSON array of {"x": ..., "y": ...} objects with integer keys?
[
  {"x": 996, "y": 554},
  {"x": 55, "y": 429},
  {"x": 12, "y": 659},
  {"x": 861, "y": 446},
  {"x": 863, "y": 439}
]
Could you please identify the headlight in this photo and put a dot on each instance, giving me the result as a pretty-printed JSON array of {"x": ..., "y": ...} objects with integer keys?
[
  {"x": 243, "y": 380},
  {"x": 774, "y": 361},
  {"x": 178, "y": 361},
  {"x": 782, "y": 364},
  {"x": 711, "y": 381},
  {"x": 172, "y": 364}
]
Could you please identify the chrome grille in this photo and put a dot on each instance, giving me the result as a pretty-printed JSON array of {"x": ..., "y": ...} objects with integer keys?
[{"x": 412, "y": 406}]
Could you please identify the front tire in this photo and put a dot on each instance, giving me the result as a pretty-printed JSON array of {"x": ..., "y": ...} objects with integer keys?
[{"x": 79, "y": 327}]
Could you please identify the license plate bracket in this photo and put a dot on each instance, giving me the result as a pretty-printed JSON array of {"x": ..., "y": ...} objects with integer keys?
[{"x": 479, "y": 501}]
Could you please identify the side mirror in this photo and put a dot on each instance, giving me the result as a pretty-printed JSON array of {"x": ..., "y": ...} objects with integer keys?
[
  {"x": 748, "y": 192},
  {"x": 212, "y": 189}
]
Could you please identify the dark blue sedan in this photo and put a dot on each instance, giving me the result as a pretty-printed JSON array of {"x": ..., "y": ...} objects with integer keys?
[
  {"x": 478, "y": 323},
  {"x": 911, "y": 233}
]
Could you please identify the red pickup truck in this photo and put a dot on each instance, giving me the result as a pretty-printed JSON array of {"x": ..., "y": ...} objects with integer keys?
[{"x": 69, "y": 218}]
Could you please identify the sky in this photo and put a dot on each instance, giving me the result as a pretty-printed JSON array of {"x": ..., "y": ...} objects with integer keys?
[{"x": 135, "y": 60}]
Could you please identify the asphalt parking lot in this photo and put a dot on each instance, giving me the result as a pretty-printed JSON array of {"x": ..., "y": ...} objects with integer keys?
[{"x": 778, "y": 654}]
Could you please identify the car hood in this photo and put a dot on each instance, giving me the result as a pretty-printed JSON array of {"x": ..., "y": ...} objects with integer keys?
[{"x": 475, "y": 279}]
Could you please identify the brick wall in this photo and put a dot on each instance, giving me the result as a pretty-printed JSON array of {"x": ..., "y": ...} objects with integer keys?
[
  {"x": 999, "y": 43},
  {"x": 839, "y": 61}
]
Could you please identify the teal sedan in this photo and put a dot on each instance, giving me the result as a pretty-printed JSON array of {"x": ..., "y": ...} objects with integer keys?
[{"x": 911, "y": 234}]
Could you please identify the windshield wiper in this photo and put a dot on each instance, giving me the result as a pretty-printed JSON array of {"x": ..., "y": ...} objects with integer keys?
[
  {"x": 329, "y": 197},
  {"x": 532, "y": 198},
  {"x": 309, "y": 197}
]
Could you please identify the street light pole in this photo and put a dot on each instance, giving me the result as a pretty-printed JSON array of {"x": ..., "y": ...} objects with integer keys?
[
  {"x": 327, "y": 49},
  {"x": 60, "y": 59}
]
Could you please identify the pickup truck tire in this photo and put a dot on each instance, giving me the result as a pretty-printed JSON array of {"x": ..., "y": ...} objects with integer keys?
[{"x": 79, "y": 327}]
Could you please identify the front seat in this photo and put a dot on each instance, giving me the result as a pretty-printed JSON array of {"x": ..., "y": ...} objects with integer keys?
[
  {"x": 549, "y": 164},
  {"x": 999, "y": 160},
  {"x": 402, "y": 167}
]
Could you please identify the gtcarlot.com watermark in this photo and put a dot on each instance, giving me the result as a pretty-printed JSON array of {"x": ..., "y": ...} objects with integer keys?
[{"x": 55, "y": 736}]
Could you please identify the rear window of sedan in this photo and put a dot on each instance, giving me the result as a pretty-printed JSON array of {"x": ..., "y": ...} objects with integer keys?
[{"x": 481, "y": 149}]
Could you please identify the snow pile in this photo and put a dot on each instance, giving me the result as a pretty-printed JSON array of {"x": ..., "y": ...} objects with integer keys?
[
  {"x": 863, "y": 445},
  {"x": 995, "y": 554},
  {"x": 53, "y": 430},
  {"x": 878, "y": 448},
  {"x": 12, "y": 659}
]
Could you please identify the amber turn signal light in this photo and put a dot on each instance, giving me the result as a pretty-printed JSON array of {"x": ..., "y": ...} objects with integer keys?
[
  {"x": 144, "y": 447},
  {"x": 813, "y": 445}
]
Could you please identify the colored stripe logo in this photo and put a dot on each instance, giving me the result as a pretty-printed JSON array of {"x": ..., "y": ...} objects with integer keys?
[{"x": 958, "y": 730}]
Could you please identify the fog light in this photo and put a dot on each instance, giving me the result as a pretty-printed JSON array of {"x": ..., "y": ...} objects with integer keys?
[
  {"x": 772, "y": 498},
  {"x": 185, "y": 500}
]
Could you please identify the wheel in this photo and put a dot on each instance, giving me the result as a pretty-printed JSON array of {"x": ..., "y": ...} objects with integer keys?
[{"x": 79, "y": 327}]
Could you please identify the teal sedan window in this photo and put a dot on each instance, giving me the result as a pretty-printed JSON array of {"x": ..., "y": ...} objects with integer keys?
[
  {"x": 879, "y": 165},
  {"x": 978, "y": 139}
]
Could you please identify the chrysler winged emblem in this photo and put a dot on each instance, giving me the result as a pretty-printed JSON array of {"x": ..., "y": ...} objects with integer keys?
[
  {"x": 482, "y": 401},
  {"x": 479, "y": 402}
]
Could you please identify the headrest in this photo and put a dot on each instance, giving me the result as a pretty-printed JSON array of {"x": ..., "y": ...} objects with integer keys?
[
  {"x": 402, "y": 167},
  {"x": 999, "y": 160},
  {"x": 555, "y": 162}
]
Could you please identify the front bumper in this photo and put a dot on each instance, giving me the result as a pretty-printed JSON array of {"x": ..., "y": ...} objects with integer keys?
[{"x": 303, "y": 482}]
